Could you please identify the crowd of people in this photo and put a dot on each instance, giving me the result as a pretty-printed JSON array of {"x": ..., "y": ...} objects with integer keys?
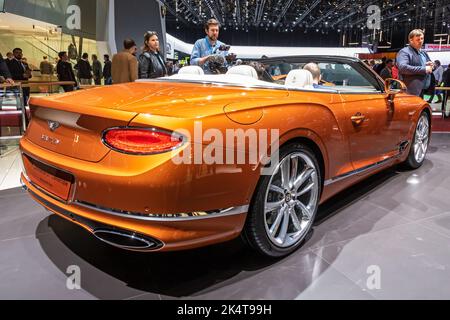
[
  {"x": 125, "y": 66},
  {"x": 412, "y": 65},
  {"x": 15, "y": 68}
]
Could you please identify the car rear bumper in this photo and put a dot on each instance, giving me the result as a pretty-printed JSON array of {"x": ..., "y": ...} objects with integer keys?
[{"x": 145, "y": 233}]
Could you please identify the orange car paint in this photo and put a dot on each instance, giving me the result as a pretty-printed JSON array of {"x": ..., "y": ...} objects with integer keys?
[{"x": 155, "y": 185}]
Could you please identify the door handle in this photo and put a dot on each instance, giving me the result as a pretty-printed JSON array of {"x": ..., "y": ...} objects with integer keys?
[
  {"x": 358, "y": 118},
  {"x": 390, "y": 101}
]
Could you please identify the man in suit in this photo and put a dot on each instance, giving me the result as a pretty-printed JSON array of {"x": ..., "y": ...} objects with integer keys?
[
  {"x": 414, "y": 65},
  {"x": 446, "y": 80},
  {"x": 446, "y": 77},
  {"x": 19, "y": 72},
  {"x": 65, "y": 71},
  {"x": 97, "y": 70},
  {"x": 107, "y": 70},
  {"x": 124, "y": 64},
  {"x": 84, "y": 70},
  {"x": 4, "y": 71}
]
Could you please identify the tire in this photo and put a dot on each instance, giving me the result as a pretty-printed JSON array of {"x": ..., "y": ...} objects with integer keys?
[
  {"x": 421, "y": 139},
  {"x": 283, "y": 228}
]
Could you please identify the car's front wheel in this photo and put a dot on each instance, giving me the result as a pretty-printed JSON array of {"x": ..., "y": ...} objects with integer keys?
[
  {"x": 420, "y": 143},
  {"x": 285, "y": 203}
]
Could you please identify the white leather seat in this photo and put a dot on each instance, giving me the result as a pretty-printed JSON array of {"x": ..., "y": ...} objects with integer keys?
[
  {"x": 299, "y": 78},
  {"x": 191, "y": 70},
  {"x": 243, "y": 70}
]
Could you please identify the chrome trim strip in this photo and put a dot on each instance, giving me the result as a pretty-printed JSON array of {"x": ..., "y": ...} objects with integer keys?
[
  {"x": 10, "y": 137},
  {"x": 404, "y": 145},
  {"x": 135, "y": 215},
  {"x": 94, "y": 226},
  {"x": 10, "y": 112},
  {"x": 139, "y": 216},
  {"x": 360, "y": 170}
]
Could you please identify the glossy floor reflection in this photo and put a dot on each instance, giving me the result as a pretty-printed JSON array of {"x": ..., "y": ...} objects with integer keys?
[{"x": 397, "y": 223}]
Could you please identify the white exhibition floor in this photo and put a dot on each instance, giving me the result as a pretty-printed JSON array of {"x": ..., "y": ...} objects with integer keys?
[{"x": 10, "y": 170}]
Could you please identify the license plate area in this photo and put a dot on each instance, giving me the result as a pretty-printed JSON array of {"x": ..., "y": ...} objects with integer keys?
[{"x": 52, "y": 180}]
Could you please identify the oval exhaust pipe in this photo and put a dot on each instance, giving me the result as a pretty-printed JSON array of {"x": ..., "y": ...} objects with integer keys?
[{"x": 127, "y": 240}]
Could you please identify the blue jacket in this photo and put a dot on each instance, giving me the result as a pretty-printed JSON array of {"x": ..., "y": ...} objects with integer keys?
[{"x": 411, "y": 70}]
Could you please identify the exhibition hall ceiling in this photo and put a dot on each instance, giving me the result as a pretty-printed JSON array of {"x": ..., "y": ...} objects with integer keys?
[{"x": 288, "y": 15}]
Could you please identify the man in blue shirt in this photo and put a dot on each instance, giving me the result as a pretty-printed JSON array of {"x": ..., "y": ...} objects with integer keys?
[{"x": 208, "y": 46}]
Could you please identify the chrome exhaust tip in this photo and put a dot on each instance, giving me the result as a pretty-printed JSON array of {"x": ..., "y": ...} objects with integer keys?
[{"x": 127, "y": 240}]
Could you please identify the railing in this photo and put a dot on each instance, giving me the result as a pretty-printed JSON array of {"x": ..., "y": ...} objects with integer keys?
[
  {"x": 50, "y": 84},
  {"x": 15, "y": 91},
  {"x": 12, "y": 92},
  {"x": 11, "y": 109},
  {"x": 89, "y": 86}
]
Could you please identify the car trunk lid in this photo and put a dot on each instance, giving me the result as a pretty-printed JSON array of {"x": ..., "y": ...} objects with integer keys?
[
  {"x": 167, "y": 98},
  {"x": 75, "y": 134}
]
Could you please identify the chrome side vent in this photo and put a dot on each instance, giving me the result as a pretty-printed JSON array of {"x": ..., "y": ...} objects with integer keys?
[{"x": 403, "y": 146}]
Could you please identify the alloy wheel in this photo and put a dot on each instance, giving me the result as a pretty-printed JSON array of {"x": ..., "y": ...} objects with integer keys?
[
  {"x": 291, "y": 199},
  {"x": 421, "y": 138}
]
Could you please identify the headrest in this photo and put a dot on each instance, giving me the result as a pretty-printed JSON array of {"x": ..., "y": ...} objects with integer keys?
[
  {"x": 244, "y": 70},
  {"x": 191, "y": 70},
  {"x": 299, "y": 78}
]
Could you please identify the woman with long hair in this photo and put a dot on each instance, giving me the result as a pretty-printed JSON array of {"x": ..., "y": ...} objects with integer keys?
[{"x": 151, "y": 63}]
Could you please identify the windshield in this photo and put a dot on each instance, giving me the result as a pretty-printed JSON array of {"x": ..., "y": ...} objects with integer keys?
[{"x": 292, "y": 74}]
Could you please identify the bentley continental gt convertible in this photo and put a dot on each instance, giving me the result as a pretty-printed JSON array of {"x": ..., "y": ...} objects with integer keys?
[{"x": 103, "y": 158}]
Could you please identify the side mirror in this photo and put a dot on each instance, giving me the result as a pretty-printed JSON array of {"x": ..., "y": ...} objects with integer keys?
[{"x": 394, "y": 86}]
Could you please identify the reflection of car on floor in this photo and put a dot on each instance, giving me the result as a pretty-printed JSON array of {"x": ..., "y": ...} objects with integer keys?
[{"x": 103, "y": 158}]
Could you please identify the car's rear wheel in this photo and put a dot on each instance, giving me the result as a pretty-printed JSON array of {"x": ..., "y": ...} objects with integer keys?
[
  {"x": 285, "y": 203},
  {"x": 420, "y": 143}
]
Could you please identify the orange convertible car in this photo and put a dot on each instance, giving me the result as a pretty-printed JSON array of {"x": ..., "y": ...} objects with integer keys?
[{"x": 168, "y": 164}]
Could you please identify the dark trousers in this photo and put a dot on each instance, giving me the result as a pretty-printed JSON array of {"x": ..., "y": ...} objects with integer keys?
[
  {"x": 26, "y": 95},
  {"x": 437, "y": 94}
]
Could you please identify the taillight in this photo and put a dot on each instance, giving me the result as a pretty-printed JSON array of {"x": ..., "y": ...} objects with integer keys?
[{"x": 142, "y": 141}]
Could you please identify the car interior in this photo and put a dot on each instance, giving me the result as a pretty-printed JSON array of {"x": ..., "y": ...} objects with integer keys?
[{"x": 336, "y": 77}]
